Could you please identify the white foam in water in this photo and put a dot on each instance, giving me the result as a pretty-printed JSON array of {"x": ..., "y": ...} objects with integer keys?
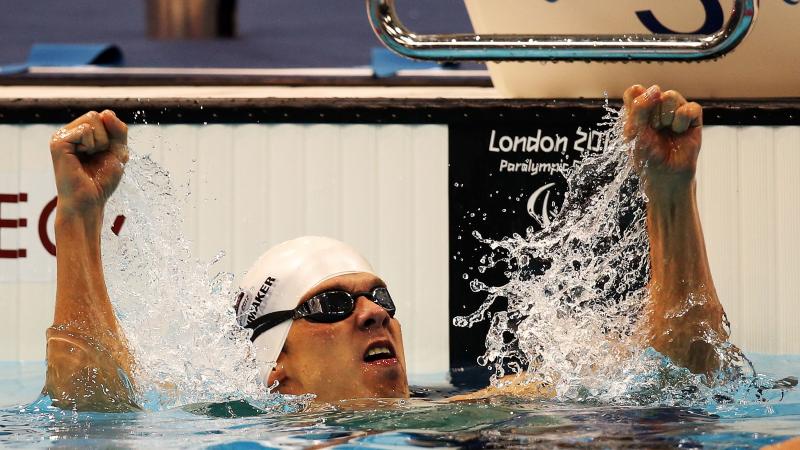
[
  {"x": 575, "y": 324},
  {"x": 176, "y": 312}
]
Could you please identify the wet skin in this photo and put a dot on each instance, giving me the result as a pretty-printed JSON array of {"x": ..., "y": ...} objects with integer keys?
[
  {"x": 684, "y": 319},
  {"x": 328, "y": 359},
  {"x": 89, "y": 156}
]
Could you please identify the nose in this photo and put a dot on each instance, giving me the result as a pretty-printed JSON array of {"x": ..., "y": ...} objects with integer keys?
[{"x": 370, "y": 315}]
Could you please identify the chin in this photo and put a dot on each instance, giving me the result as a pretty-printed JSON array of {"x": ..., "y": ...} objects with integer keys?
[
  {"x": 385, "y": 392},
  {"x": 384, "y": 384},
  {"x": 395, "y": 387}
]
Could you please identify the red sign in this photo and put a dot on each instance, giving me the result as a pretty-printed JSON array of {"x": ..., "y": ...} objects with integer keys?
[{"x": 44, "y": 237}]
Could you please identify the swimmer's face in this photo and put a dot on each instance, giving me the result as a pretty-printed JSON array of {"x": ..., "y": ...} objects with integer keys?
[{"x": 332, "y": 360}]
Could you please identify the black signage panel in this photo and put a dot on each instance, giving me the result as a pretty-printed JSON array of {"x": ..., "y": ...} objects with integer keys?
[{"x": 505, "y": 178}]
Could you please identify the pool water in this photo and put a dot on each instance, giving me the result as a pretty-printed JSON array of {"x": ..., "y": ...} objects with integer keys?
[
  {"x": 420, "y": 422},
  {"x": 635, "y": 399}
]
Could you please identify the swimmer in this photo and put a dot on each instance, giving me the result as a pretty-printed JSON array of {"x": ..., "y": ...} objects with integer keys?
[{"x": 322, "y": 320}]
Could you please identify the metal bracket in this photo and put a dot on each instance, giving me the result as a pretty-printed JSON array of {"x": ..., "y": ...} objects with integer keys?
[{"x": 497, "y": 47}]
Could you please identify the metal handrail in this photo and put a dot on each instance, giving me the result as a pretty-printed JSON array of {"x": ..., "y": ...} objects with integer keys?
[{"x": 498, "y": 47}]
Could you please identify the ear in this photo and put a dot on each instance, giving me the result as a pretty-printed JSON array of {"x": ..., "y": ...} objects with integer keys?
[{"x": 278, "y": 373}]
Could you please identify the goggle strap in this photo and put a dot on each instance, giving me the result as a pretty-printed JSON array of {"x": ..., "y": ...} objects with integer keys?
[
  {"x": 273, "y": 319},
  {"x": 268, "y": 321}
]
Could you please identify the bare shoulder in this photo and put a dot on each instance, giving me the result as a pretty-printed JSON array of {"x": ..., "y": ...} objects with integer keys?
[
  {"x": 510, "y": 386},
  {"x": 83, "y": 375}
]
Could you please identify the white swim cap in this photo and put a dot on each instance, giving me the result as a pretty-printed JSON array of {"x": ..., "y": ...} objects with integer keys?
[{"x": 280, "y": 277}]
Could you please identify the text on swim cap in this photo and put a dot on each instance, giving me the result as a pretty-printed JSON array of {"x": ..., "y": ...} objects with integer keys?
[{"x": 260, "y": 296}]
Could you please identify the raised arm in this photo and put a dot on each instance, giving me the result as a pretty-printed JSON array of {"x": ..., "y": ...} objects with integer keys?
[
  {"x": 88, "y": 361},
  {"x": 684, "y": 317}
]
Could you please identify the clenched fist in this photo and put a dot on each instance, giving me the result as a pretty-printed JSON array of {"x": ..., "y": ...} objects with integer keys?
[
  {"x": 667, "y": 133},
  {"x": 89, "y": 157}
]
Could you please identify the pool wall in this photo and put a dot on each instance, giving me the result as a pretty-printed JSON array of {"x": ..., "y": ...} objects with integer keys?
[
  {"x": 380, "y": 188},
  {"x": 374, "y": 172}
]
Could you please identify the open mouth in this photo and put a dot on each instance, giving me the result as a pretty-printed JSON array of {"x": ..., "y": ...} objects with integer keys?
[{"x": 379, "y": 351}]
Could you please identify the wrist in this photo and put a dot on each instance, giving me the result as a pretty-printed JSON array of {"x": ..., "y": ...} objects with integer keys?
[
  {"x": 669, "y": 190},
  {"x": 89, "y": 220}
]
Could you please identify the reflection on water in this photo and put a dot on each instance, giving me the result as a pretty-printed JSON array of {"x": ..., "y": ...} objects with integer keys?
[{"x": 499, "y": 423}]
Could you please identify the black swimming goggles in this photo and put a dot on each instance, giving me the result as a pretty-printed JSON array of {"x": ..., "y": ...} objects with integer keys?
[{"x": 326, "y": 307}]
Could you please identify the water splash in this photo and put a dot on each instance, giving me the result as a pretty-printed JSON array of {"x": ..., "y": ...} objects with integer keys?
[
  {"x": 176, "y": 311},
  {"x": 576, "y": 290}
]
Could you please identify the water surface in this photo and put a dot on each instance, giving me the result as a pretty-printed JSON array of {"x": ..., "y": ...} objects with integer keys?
[{"x": 416, "y": 423}]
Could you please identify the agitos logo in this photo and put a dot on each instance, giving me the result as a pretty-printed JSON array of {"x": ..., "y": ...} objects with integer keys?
[
  {"x": 44, "y": 217},
  {"x": 540, "y": 207}
]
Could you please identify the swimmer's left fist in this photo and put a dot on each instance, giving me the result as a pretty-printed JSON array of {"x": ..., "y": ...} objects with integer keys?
[
  {"x": 684, "y": 318},
  {"x": 89, "y": 157},
  {"x": 666, "y": 132}
]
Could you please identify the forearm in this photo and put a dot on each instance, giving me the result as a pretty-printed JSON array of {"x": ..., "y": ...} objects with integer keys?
[
  {"x": 83, "y": 306},
  {"x": 81, "y": 298},
  {"x": 510, "y": 386},
  {"x": 677, "y": 246},
  {"x": 684, "y": 314}
]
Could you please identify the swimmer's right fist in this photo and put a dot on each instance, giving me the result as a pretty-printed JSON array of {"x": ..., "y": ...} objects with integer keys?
[{"x": 89, "y": 157}]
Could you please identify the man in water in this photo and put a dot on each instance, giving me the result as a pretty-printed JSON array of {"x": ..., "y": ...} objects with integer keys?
[{"x": 322, "y": 320}]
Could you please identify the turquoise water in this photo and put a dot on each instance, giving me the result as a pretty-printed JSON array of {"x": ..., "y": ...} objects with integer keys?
[{"x": 419, "y": 422}]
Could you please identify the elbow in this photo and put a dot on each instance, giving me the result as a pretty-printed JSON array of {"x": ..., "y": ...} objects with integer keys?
[{"x": 81, "y": 381}]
